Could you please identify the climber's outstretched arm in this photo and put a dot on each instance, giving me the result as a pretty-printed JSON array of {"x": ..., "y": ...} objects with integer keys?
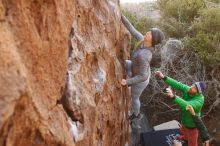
[{"x": 136, "y": 34}]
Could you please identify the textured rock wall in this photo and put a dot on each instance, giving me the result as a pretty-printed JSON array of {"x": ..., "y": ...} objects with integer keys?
[
  {"x": 34, "y": 41},
  {"x": 99, "y": 43}
]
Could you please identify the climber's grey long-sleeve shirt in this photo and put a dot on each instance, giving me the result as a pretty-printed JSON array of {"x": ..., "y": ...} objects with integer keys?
[
  {"x": 136, "y": 34},
  {"x": 140, "y": 58}
]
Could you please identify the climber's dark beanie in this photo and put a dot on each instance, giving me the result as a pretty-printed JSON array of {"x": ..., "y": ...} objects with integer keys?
[{"x": 157, "y": 36}]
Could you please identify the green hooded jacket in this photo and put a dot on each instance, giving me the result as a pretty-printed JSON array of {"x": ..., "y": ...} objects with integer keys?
[{"x": 196, "y": 101}]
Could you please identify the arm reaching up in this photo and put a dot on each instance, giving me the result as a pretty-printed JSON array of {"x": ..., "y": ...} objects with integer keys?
[
  {"x": 173, "y": 83},
  {"x": 136, "y": 34}
]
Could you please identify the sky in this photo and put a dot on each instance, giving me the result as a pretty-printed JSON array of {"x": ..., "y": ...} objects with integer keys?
[{"x": 134, "y": 1}]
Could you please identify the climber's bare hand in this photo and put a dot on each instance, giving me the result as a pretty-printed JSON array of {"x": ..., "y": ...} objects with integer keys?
[{"x": 123, "y": 82}]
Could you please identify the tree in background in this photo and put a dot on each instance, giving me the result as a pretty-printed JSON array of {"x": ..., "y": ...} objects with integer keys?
[
  {"x": 197, "y": 22},
  {"x": 205, "y": 40},
  {"x": 178, "y": 15}
]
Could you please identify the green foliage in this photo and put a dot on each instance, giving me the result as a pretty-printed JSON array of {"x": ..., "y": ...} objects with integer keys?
[
  {"x": 173, "y": 28},
  {"x": 178, "y": 16},
  {"x": 208, "y": 22},
  {"x": 205, "y": 47},
  {"x": 198, "y": 21},
  {"x": 206, "y": 40},
  {"x": 182, "y": 10},
  {"x": 214, "y": 1},
  {"x": 142, "y": 25}
]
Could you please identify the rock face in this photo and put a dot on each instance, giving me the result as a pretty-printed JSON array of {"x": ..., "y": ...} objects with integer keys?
[{"x": 61, "y": 63}]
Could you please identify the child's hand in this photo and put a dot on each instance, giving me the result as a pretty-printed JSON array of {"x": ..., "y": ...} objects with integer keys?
[
  {"x": 191, "y": 110},
  {"x": 123, "y": 82},
  {"x": 159, "y": 74},
  {"x": 177, "y": 143},
  {"x": 206, "y": 143}
]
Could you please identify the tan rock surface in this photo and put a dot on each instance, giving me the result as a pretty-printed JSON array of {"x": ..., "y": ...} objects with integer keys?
[{"x": 33, "y": 64}]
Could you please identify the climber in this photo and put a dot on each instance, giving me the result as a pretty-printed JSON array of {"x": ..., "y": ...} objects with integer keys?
[
  {"x": 138, "y": 68},
  {"x": 191, "y": 96},
  {"x": 203, "y": 131}
]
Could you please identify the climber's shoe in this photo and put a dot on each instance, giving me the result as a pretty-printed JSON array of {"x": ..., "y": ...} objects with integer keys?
[{"x": 133, "y": 116}]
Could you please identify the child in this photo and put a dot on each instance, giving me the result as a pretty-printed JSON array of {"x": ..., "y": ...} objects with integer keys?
[{"x": 203, "y": 131}]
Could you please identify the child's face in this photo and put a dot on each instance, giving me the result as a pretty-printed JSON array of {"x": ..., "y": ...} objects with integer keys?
[{"x": 192, "y": 90}]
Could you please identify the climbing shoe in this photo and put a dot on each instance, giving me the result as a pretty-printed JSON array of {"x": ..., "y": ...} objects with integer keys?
[{"x": 133, "y": 116}]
